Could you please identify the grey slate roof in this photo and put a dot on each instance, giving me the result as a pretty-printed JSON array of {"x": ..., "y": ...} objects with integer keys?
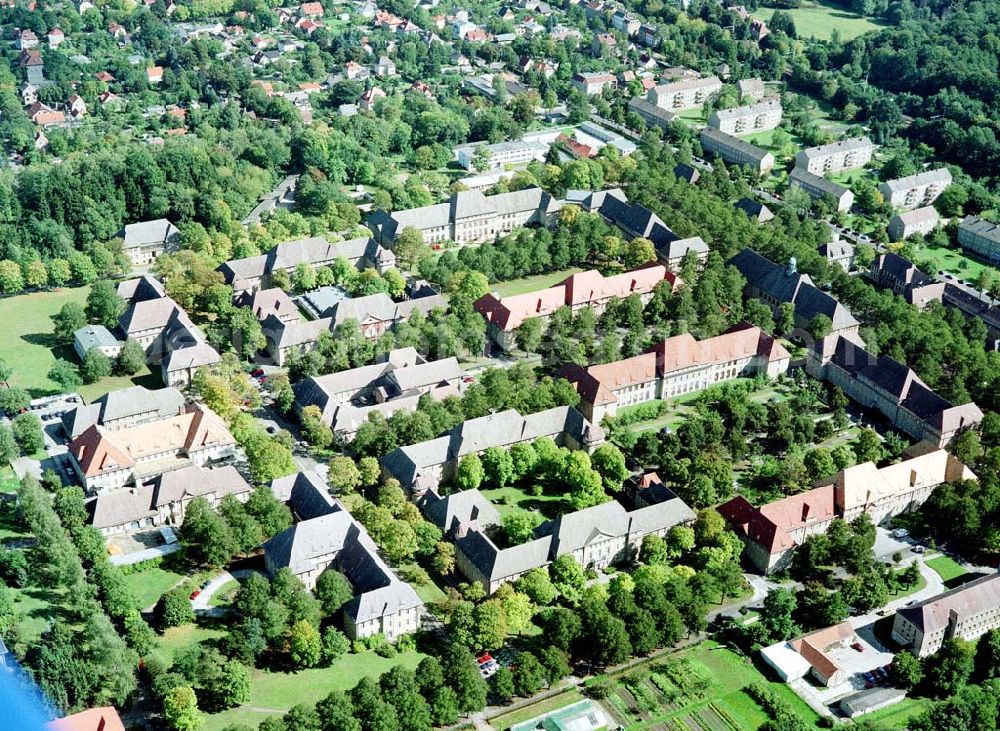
[
  {"x": 680, "y": 247},
  {"x": 148, "y": 232},
  {"x": 981, "y": 227},
  {"x": 966, "y": 600},
  {"x": 794, "y": 287},
  {"x": 835, "y": 250},
  {"x": 453, "y": 510},
  {"x": 845, "y": 145},
  {"x": 939, "y": 175},
  {"x": 720, "y": 143},
  {"x": 121, "y": 404},
  {"x": 816, "y": 184},
  {"x": 95, "y": 336},
  {"x": 759, "y": 108},
  {"x": 141, "y": 289},
  {"x": 754, "y": 209},
  {"x": 306, "y": 493}
]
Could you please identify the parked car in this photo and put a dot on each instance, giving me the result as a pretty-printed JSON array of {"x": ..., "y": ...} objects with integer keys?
[
  {"x": 857, "y": 646},
  {"x": 195, "y": 593},
  {"x": 900, "y": 533},
  {"x": 919, "y": 549}
]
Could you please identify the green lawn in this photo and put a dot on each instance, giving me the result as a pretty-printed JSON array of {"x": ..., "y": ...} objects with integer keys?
[
  {"x": 504, "y": 722},
  {"x": 275, "y": 693},
  {"x": 949, "y": 260},
  {"x": 899, "y": 715},
  {"x": 946, "y": 568},
  {"x": 820, "y": 19},
  {"x": 533, "y": 283},
  {"x": 37, "y": 608},
  {"x": 176, "y": 639},
  {"x": 8, "y": 480},
  {"x": 149, "y": 585},
  {"x": 30, "y": 347},
  {"x": 224, "y": 596},
  {"x": 515, "y": 499}
]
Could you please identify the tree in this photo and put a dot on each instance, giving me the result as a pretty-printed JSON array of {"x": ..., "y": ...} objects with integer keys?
[
  {"x": 65, "y": 374},
  {"x": 520, "y": 527},
  {"x": 498, "y": 465},
  {"x": 470, "y": 472},
  {"x": 230, "y": 686},
  {"x": 410, "y": 246},
  {"x": 59, "y": 272},
  {"x": 344, "y": 475},
  {"x": 567, "y": 575},
  {"x": 463, "y": 675},
  {"x": 369, "y": 469},
  {"x": 12, "y": 400},
  {"x": 304, "y": 278},
  {"x": 562, "y": 627},
  {"x": 9, "y": 451},
  {"x": 819, "y": 462},
  {"x": 205, "y": 535},
  {"x": 11, "y": 279},
  {"x": 131, "y": 358},
  {"x": 530, "y": 675},
  {"x": 819, "y": 327},
  {"x": 314, "y": 429},
  {"x": 503, "y": 684},
  {"x": 638, "y": 251},
  {"x": 246, "y": 333},
  {"x": 103, "y": 303},
  {"x": 180, "y": 709},
  {"x": 174, "y": 608},
  {"x": 401, "y": 690},
  {"x": 653, "y": 550},
  {"x": 537, "y": 585},
  {"x": 68, "y": 320},
  {"x": 609, "y": 462},
  {"x": 374, "y": 713},
  {"x": 443, "y": 560},
  {"x": 335, "y": 645},
  {"x": 27, "y": 430},
  {"x": 947, "y": 670},
  {"x": 987, "y": 659},
  {"x": 906, "y": 671},
  {"x": 868, "y": 446},
  {"x": 785, "y": 321},
  {"x": 776, "y": 616},
  {"x": 528, "y": 335},
  {"x": 337, "y": 713},
  {"x": 333, "y": 591},
  {"x": 96, "y": 365},
  {"x": 305, "y": 645},
  {"x": 585, "y": 484}
]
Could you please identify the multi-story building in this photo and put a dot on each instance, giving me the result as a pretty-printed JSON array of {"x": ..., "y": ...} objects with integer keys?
[
  {"x": 255, "y": 272},
  {"x": 423, "y": 466},
  {"x": 346, "y": 399},
  {"x": 145, "y": 241},
  {"x": 651, "y": 114},
  {"x": 165, "y": 499},
  {"x": 891, "y": 388},
  {"x": 123, "y": 408},
  {"x": 106, "y": 459},
  {"x": 375, "y": 315},
  {"x": 751, "y": 90},
  {"x": 671, "y": 253},
  {"x": 774, "y": 285},
  {"x": 773, "y": 531},
  {"x": 585, "y": 289},
  {"x": 593, "y": 83},
  {"x": 735, "y": 151},
  {"x": 966, "y": 612},
  {"x": 745, "y": 120},
  {"x": 468, "y": 217},
  {"x": 684, "y": 94},
  {"x": 904, "y": 278},
  {"x": 678, "y": 365},
  {"x": 819, "y": 187},
  {"x": 839, "y": 253},
  {"x": 853, "y": 152},
  {"x": 910, "y": 223},
  {"x": 633, "y": 219},
  {"x": 596, "y": 537},
  {"x": 501, "y": 154},
  {"x": 917, "y": 190},
  {"x": 980, "y": 237},
  {"x": 328, "y": 537}
]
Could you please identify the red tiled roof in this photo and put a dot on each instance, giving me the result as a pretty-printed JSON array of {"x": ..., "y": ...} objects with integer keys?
[
  {"x": 94, "y": 719},
  {"x": 771, "y": 524}
]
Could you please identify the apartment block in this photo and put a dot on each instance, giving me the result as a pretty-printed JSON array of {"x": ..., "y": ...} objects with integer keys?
[
  {"x": 745, "y": 120},
  {"x": 651, "y": 114},
  {"x": 854, "y": 152},
  {"x": 980, "y": 237},
  {"x": 593, "y": 83},
  {"x": 684, "y": 94},
  {"x": 501, "y": 154},
  {"x": 965, "y": 612},
  {"x": 917, "y": 190},
  {"x": 910, "y": 223},
  {"x": 820, "y": 188},
  {"x": 735, "y": 151}
]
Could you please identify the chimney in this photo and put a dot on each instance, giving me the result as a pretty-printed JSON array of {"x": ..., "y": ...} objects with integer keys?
[
  {"x": 805, "y": 512},
  {"x": 792, "y": 267}
]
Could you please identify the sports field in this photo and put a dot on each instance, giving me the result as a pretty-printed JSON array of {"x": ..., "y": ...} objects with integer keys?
[{"x": 819, "y": 19}]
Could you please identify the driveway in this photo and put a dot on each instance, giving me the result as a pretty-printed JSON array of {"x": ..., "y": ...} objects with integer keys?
[{"x": 200, "y": 604}]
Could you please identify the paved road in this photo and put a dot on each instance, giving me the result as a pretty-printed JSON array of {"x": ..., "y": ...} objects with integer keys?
[{"x": 200, "y": 604}]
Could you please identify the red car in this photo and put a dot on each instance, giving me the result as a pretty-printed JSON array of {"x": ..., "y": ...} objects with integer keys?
[
  {"x": 195, "y": 593},
  {"x": 857, "y": 646}
]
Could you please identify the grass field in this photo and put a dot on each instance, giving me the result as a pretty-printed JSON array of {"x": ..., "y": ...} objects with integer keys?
[
  {"x": 275, "y": 693},
  {"x": 899, "y": 715},
  {"x": 149, "y": 585},
  {"x": 504, "y": 722},
  {"x": 514, "y": 500},
  {"x": 946, "y": 568},
  {"x": 30, "y": 347},
  {"x": 819, "y": 19},
  {"x": 225, "y": 594},
  {"x": 950, "y": 260},
  {"x": 8, "y": 480},
  {"x": 530, "y": 284}
]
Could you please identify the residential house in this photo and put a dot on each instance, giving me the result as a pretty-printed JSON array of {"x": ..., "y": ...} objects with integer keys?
[
  {"x": 29, "y": 94},
  {"x": 751, "y": 90},
  {"x": 677, "y": 366},
  {"x": 283, "y": 196},
  {"x": 775, "y": 285},
  {"x": 164, "y": 500},
  {"x": 633, "y": 219},
  {"x": 651, "y": 114},
  {"x": 911, "y": 223},
  {"x": 915, "y": 191},
  {"x": 819, "y": 187},
  {"x": 26, "y": 39},
  {"x": 757, "y": 117},
  {"x": 893, "y": 389},
  {"x": 425, "y": 465},
  {"x": 370, "y": 97},
  {"x": 154, "y": 74},
  {"x": 255, "y": 272},
  {"x": 735, "y": 151},
  {"x": 628, "y": 23},
  {"x": 267, "y": 302},
  {"x": 106, "y": 460},
  {"x": 385, "y": 67},
  {"x": 671, "y": 254},
  {"x": 684, "y": 94},
  {"x": 45, "y": 116},
  {"x": 593, "y": 83},
  {"x": 603, "y": 45},
  {"x": 77, "y": 107},
  {"x": 585, "y": 289},
  {"x": 330, "y": 538},
  {"x": 965, "y": 612},
  {"x": 839, "y": 253},
  {"x": 773, "y": 531},
  {"x": 980, "y": 237},
  {"x": 143, "y": 242},
  {"x": 56, "y": 38},
  {"x": 467, "y": 217},
  {"x": 904, "y": 278},
  {"x": 846, "y": 154},
  {"x": 458, "y": 513},
  {"x": 33, "y": 65},
  {"x": 489, "y": 157}
]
